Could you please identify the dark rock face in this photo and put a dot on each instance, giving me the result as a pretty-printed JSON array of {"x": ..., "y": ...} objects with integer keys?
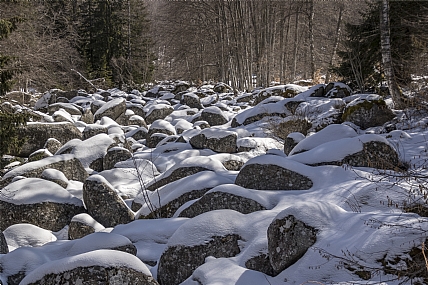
[
  {"x": 233, "y": 165},
  {"x": 36, "y": 134},
  {"x": 368, "y": 114},
  {"x": 52, "y": 145},
  {"x": 3, "y": 245},
  {"x": 289, "y": 144},
  {"x": 214, "y": 116},
  {"x": 114, "y": 155},
  {"x": 72, "y": 109},
  {"x": 87, "y": 116},
  {"x": 177, "y": 263},
  {"x": 192, "y": 101},
  {"x": 158, "y": 114},
  {"x": 47, "y": 215},
  {"x": 104, "y": 204},
  {"x": 93, "y": 130},
  {"x": 260, "y": 263},
  {"x": 97, "y": 275},
  {"x": 225, "y": 144},
  {"x": 271, "y": 177},
  {"x": 168, "y": 210},
  {"x": 115, "y": 108},
  {"x": 221, "y": 200},
  {"x": 78, "y": 230},
  {"x": 288, "y": 241},
  {"x": 175, "y": 175}
]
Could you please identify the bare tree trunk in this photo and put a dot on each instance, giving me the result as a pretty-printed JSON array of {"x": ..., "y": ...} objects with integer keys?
[
  {"x": 296, "y": 39},
  {"x": 336, "y": 42},
  {"x": 396, "y": 94},
  {"x": 311, "y": 39}
]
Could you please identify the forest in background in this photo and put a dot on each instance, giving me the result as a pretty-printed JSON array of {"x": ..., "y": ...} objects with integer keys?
[{"x": 47, "y": 44}]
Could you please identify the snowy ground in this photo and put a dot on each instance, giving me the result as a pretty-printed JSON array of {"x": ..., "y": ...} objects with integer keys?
[{"x": 357, "y": 211}]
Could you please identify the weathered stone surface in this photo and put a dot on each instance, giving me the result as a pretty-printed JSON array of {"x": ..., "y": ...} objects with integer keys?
[
  {"x": 192, "y": 100},
  {"x": 286, "y": 91},
  {"x": 368, "y": 113},
  {"x": 36, "y": 134},
  {"x": 214, "y": 116},
  {"x": 114, "y": 155},
  {"x": 67, "y": 163},
  {"x": 232, "y": 164},
  {"x": 158, "y": 113},
  {"x": 221, "y": 200},
  {"x": 39, "y": 154},
  {"x": 82, "y": 225},
  {"x": 218, "y": 141},
  {"x": 291, "y": 141},
  {"x": 104, "y": 204},
  {"x": 260, "y": 263},
  {"x": 288, "y": 241},
  {"x": 87, "y": 116},
  {"x": 52, "y": 145},
  {"x": 337, "y": 90},
  {"x": 47, "y": 215},
  {"x": 3, "y": 244},
  {"x": 97, "y": 275},
  {"x": 168, "y": 210},
  {"x": 70, "y": 108},
  {"x": 271, "y": 177},
  {"x": 177, "y": 263},
  {"x": 175, "y": 175},
  {"x": 93, "y": 130},
  {"x": 112, "y": 109},
  {"x": 55, "y": 176}
]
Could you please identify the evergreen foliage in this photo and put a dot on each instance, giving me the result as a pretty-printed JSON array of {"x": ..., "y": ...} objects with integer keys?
[
  {"x": 9, "y": 123},
  {"x": 361, "y": 65}
]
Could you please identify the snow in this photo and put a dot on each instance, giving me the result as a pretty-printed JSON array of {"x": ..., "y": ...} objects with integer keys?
[
  {"x": 20, "y": 235},
  {"x": 88, "y": 220},
  {"x": 36, "y": 190},
  {"x": 111, "y": 104},
  {"x": 217, "y": 133}
]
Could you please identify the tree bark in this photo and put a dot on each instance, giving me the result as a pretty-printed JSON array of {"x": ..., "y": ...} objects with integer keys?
[
  {"x": 394, "y": 89},
  {"x": 336, "y": 43}
]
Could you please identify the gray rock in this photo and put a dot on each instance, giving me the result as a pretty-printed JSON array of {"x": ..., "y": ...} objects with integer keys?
[
  {"x": 36, "y": 134},
  {"x": 221, "y": 200},
  {"x": 97, "y": 275},
  {"x": 112, "y": 109},
  {"x": 178, "y": 173},
  {"x": 82, "y": 225},
  {"x": 337, "y": 90},
  {"x": 39, "y": 154},
  {"x": 291, "y": 141},
  {"x": 192, "y": 100},
  {"x": 177, "y": 263},
  {"x": 93, "y": 130},
  {"x": 52, "y": 145},
  {"x": 214, "y": 116},
  {"x": 114, "y": 155},
  {"x": 55, "y": 176},
  {"x": 155, "y": 139},
  {"x": 222, "y": 141},
  {"x": 271, "y": 177},
  {"x": 288, "y": 241},
  {"x": 96, "y": 105},
  {"x": 158, "y": 114},
  {"x": 3, "y": 244},
  {"x": 87, "y": 116},
  {"x": 222, "y": 88},
  {"x": 104, "y": 204},
  {"x": 260, "y": 263},
  {"x": 70, "y": 108}
]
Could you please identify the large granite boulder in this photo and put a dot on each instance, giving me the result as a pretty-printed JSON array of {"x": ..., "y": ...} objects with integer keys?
[
  {"x": 214, "y": 116},
  {"x": 82, "y": 225},
  {"x": 367, "y": 111},
  {"x": 115, "y": 155},
  {"x": 155, "y": 112},
  {"x": 95, "y": 267},
  {"x": 52, "y": 145},
  {"x": 112, "y": 109},
  {"x": 291, "y": 141},
  {"x": 271, "y": 172},
  {"x": 104, "y": 204},
  {"x": 66, "y": 163},
  {"x": 192, "y": 100},
  {"x": 70, "y": 108},
  {"x": 285, "y": 91},
  {"x": 217, "y": 199},
  {"x": 288, "y": 240},
  {"x": 55, "y": 176},
  {"x": 39, "y": 202},
  {"x": 36, "y": 134},
  {"x": 216, "y": 140}
]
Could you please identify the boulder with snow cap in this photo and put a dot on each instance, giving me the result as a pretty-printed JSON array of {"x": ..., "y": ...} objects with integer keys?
[
  {"x": 112, "y": 109},
  {"x": 115, "y": 155},
  {"x": 286, "y": 91},
  {"x": 95, "y": 267},
  {"x": 52, "y": 145},
  {"x": 158, "y": 130},
  {"x": 185, "y": 168},
  {"x": 104, "y": 204},
  {"x": 214, "y": 116},
  {"x": 36, "y": 134},
  {"x": 288, "y": 241},
  {"x": 70, "y": 108},
  {"x": 3, "y": 245},
  {"x": 55, "y": 176},
  {"x": 192, "y": 100},
  {"x": 184, "y": 253},
  {"x": 291, "y": 141},
  {"x": 216, "y": 140},
  {"x": 337, "y": 90},
  {"x": 367, "y": 111},
  {"x": 67, "y": 163},
  {"x": 39, "y": 154},
  {"x": 157, "y": 111},
  {"x": 93, "y": 130},
  {"x": 87, "y": 116},
  {"x": 272, "y": 172},
  {"x": 39, "y": 202},
  {"x": 82, "y": 225}
]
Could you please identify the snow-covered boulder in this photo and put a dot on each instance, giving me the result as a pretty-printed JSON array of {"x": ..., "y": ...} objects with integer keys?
[
  {"x": 104, "y": 204},
  {"x": 3, "y": 245},
  {"x": 224, "y": 197},
  {"x": 82, "y": 225},
  {"x": 285, "y": 91},
  {"x": 70, "y": 108},
  {"x": 39, "y": 202},
  {"x": 36, "y": 134},
  {"x": 87, "y": 116},
  {"x": 157, "y": 111},
  {"x": 27, "y": 235},
  {"x": 367, "y": 111},
  {"x": 214, "y": 116},
  {"x": 115, "y": 155},
  {"x": 93, "y": 130},
  {"x": 288, "y": 240},
  {"x": 291, "y": 141},
  {"x": 55, "y": 176},
  {"x": 337, "y": 90},
  {"x": 52, "y": 145},
  {"x": 192, "y": 100},
  {"x": 272, "y": 172},
  {"x": 112, "y": 109},
  {"x": 185, "y": 252},
  {"x": 216, "y": 140}
]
